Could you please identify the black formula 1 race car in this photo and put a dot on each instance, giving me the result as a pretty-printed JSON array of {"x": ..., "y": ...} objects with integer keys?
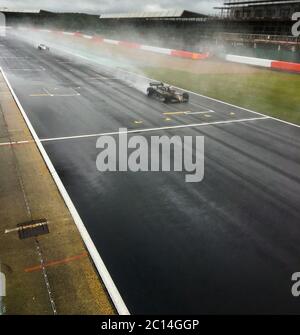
[
  {"x": 43, "y": 47},
  {"x": 166, "y": 93}
]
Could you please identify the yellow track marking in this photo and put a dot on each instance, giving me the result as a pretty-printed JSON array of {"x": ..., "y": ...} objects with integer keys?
[
  {"x": 188, "y": 112},
  {"x": 175, "y": 113}
]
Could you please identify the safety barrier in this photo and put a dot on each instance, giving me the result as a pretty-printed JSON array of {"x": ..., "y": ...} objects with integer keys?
[
  {"x": 130, "y": 45},
  {"x": 286, "y": 66},
  {"x": 249, "y": 60},
  {"x": 268, "y": 63}
]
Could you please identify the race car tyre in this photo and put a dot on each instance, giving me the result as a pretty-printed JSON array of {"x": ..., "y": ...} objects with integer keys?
[
  {"x": 150, "y": 92},
  {"x": 185, "y": 97}
]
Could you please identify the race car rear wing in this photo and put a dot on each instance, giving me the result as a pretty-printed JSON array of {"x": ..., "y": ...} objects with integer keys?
[{"x": 156, "y": 83}]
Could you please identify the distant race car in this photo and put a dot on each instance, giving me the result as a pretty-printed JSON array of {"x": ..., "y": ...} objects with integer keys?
[
  {"x": 166, "y": 93},
  {"x": 43, "y": 47}
]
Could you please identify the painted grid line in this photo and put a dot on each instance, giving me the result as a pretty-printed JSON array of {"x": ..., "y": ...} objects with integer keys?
[{"x": 132, "y": 131}]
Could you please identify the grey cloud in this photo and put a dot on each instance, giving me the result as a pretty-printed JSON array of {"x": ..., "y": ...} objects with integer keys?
[{"x": 112, "y": 6}]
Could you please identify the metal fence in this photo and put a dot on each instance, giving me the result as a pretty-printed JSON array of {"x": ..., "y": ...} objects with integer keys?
[{"x": 260, "y": 37}]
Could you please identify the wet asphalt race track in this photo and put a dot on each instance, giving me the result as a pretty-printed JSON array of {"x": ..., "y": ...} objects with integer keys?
[{"x": 226, "y": 245}]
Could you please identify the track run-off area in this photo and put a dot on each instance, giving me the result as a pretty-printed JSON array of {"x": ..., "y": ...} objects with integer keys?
[{"x": 228, "y": 244}]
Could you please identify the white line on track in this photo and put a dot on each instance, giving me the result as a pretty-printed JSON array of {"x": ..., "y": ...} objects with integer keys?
[
  {"x": 14, "y": 57},
  {"x": 33, "y": 69},
  {"x": 153, "y": 129},
  {"x": 49, "y": 94}
]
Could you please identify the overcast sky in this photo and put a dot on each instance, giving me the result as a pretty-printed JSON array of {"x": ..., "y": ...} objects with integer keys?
[{"x": 111, "y": 6}]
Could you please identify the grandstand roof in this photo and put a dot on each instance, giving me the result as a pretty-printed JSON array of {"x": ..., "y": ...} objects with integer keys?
[
  {"x": 237, "y": 3},
  {"x": 174, "y": 13},
  {"x": 9, "y": 10}
]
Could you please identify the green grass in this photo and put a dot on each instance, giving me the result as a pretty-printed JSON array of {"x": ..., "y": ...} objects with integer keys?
[{"x": 272, "y": 93}]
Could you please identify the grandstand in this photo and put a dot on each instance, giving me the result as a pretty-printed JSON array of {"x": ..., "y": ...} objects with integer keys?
[
  {"x": 260, "y": 28},
  {"x": 259, "y": 16},
  {"x": 263, "y": 9},
  {"x": 166, "y": 15},
  {"x": 172, "y": 28},
  {"x": 253, "y": 28}
]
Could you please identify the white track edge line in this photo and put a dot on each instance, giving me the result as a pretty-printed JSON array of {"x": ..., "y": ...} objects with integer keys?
[{"x": 103, "y": 272}]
